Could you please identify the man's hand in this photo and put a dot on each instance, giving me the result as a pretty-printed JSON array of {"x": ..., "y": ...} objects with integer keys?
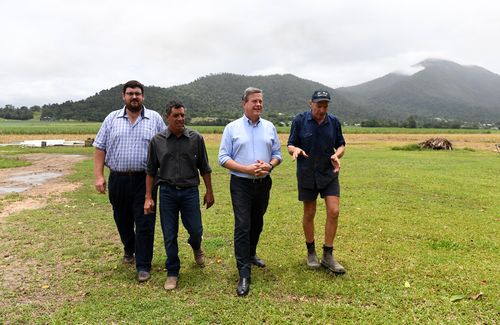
[
  {"x": 255, "y": 169},
  {"x": 100, "y": 184},
  {"x": 149, "y": 206},
  {"x": 335, "y": 163},
  {"x": 298, "y": 152},
  {"x": 208, "y": 199},
  {"x": 262, "y": 168}
]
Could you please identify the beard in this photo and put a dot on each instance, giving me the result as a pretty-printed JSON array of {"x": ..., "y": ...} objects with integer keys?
[{"x": 134, "y": 107}]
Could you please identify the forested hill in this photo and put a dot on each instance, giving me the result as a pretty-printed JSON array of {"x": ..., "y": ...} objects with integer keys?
[
  {"x": 216, "y": 96},
  {"x": 439, "y": 90}
]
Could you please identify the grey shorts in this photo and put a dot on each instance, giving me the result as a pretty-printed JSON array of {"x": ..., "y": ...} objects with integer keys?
[{"x": 332, "y": 189}]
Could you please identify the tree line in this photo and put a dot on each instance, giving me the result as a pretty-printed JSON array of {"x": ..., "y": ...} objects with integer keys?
[{"x": 10, "y": 112}]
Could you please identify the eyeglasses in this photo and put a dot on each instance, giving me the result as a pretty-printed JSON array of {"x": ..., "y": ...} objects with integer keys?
[{"x": 131, "y": 94}]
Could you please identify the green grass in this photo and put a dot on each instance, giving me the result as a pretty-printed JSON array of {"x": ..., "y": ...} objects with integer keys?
[
  {"x": 362, "y": 130},
  {"x": 417, "y": 230},
  {"x": 408, "y": 147},
  {"x": 12, "y": 162},
  {"x": 72, "y": 127},
  {"x": 41, "y": 127}
]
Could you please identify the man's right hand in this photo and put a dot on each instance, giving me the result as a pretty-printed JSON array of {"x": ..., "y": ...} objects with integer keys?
[
  {"x": 100, "y": 185},
  {"x": 149, "y": 206},
  {"x": 297, "y": 152}
]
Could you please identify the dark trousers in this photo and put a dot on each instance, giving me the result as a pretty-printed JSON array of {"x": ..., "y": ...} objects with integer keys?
[
  {"x": 186, "y": 201},
  {"x": 126, "y": 194},
  {"x": 250, "y": 199}
]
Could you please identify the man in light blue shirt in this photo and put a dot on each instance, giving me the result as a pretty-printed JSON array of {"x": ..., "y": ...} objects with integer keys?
[
  {"x": 122, "y": 145},
  {"x": 250, "y": 149}
]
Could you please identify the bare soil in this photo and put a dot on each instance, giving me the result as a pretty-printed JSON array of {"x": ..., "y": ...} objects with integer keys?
[
  {"x": 9, "y": 138},
  {"x": 460, "y": 141},
  {"x": 42, "y": 180}
]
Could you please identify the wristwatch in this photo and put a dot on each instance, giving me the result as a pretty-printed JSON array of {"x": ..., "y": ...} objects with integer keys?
[{"x": 270, "y": 164}]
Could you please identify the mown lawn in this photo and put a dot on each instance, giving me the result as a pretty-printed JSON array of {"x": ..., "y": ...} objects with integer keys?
[
  {"x": 418, "y": 235},
  {"x": 16, "y": 127}
]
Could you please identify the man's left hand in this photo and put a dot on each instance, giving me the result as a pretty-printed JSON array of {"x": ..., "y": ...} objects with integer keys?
[
  {"x": 335, "y": 163},
  {"x": 208, "y": 199},
  {"x": 263, "y": 168}
]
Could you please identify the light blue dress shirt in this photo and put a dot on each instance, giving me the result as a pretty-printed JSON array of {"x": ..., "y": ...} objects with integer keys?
[
  {"x": 126, "y": 145},
  {"x": 246, "y": 143}
]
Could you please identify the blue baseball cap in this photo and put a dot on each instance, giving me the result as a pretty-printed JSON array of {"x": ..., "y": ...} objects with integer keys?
[{"x": 320, "y": 96}]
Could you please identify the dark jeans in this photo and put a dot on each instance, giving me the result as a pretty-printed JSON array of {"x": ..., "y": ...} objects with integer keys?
[
  {"x": 186, "y": 201},
  {"x": 126, "y": 194},
  {"x": 250, "y": 199}
]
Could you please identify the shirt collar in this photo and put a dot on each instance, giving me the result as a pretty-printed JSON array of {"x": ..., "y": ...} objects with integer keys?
[
  {"x": 249, "y": 122},
  {"x": 168, "y": 133},
  {"x": 144, "y": 113},
  {"x": 309, "y": 116}
]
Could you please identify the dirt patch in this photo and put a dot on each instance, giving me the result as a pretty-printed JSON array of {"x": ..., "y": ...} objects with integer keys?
[
  {"x": 9, "y": 138},
  {"x": 37, "y": 183},
  {"x": 473, "y": 141}
]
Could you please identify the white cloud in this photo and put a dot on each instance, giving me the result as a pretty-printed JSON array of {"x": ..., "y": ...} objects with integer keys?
[{"x": 57, "y": 50}]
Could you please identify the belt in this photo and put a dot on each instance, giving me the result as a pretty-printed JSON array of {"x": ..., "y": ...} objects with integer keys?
[
  {"x": 178, "y": 188},
  {"x": 252, "y": 180},
  {"x": 130, "y": 173}
]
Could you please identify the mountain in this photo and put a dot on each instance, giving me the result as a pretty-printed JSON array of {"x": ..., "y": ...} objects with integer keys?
[
  {"x": 441, "y": 89},
  {"x": 213, "y": 96}
]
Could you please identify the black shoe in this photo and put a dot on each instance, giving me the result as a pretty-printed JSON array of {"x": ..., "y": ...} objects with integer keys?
[
  {"x": 243, "y": 287},
  {"x": 257, "y": 261}
]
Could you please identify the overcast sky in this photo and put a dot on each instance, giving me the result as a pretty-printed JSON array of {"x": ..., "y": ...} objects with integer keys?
[{"x": 58, "y": 50}]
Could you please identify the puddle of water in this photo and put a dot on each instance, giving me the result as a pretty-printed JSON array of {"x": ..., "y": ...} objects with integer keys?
[
  {"x": 5, "y": 190},
  {"x": 35, "y": 179}
]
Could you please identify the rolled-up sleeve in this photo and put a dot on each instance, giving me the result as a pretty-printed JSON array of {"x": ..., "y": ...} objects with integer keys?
[
  {"x": 153, "y": 165},
  {"x": 276, "y": 148},
  {"x": 226, "y": 146},
  {"x": 102, "y": 135},
  {"x": 203, "y": 166}
]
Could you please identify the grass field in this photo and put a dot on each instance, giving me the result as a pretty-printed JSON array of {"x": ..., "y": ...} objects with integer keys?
[
  {"x": 72, "y": 127},
  {"x": 38, "y": 127},
  {"x": 418, "y": 235},
  {"x": 12, "y": 162}
]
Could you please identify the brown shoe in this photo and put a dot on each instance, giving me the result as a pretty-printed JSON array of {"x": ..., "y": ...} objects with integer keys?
[
  {"x": 143, "y": 276},
  {"x": 199, "y": 257},
  {"x": 128, "y": 259},
  {"x": 171, "y": 283}
]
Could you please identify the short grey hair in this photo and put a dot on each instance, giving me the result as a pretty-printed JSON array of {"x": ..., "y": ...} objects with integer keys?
[{"x": 249, "y": 91}]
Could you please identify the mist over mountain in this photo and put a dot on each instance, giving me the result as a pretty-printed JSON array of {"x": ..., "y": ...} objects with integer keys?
[{"x": 439, "y": 89}]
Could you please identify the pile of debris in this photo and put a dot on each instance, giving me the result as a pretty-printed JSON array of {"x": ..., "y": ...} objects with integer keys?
[{"x": 436, "y": 144}]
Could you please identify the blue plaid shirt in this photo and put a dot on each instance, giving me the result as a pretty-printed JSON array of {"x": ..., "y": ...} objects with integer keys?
[{"x": 126, "y": 145}]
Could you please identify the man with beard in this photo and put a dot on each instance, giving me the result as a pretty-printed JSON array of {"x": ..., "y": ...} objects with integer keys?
[
  {"x": 122, "y": 145},
  {"x": 176, "y": 158}
]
